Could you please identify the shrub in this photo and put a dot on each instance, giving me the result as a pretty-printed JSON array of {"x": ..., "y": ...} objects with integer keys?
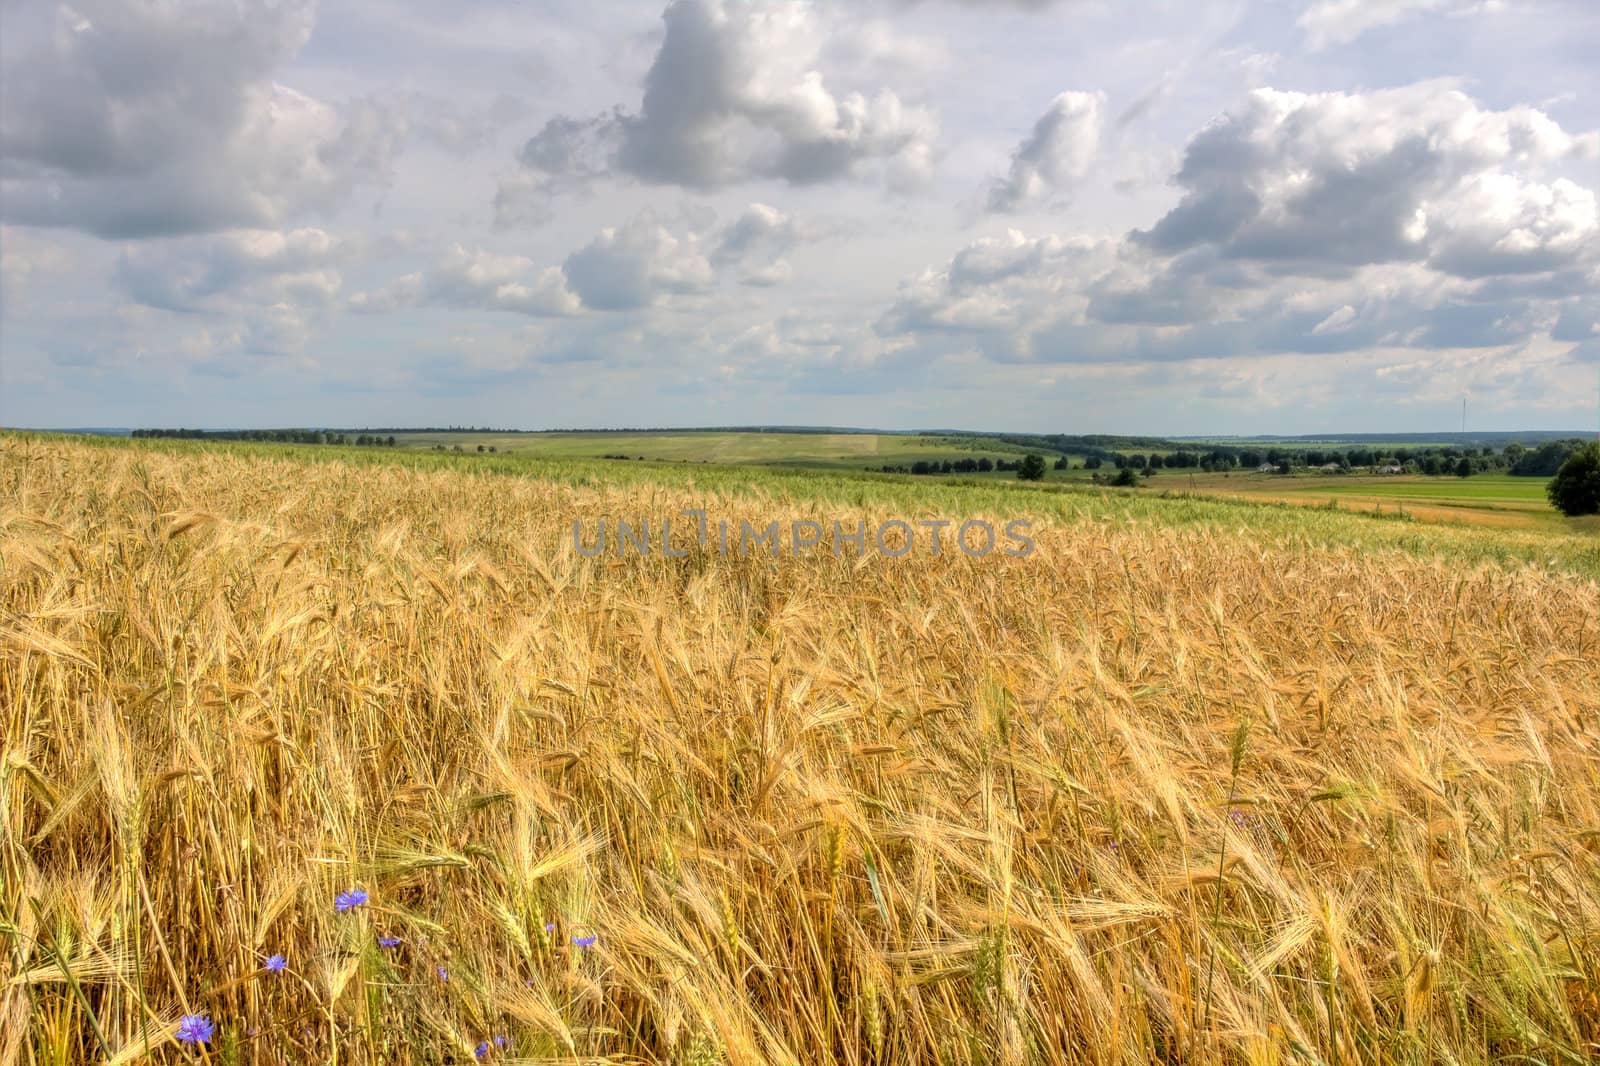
[{"x": 1575, "y": 490}]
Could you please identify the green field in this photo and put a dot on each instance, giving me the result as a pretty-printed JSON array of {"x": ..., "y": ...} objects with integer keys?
[
  {"x": 1499, "y": 500},
  {"x": 1496, "y": 500},
  {"x": 1502, "y": 488},
  {"x": 822, "y": 451}
]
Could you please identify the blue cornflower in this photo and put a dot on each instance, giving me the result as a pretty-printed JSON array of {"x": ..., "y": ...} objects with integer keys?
[
  {"x": 388, "y": 942},
  {"x": 499, "y": 1041},
  {"x": 482, "y": 1050},
  {"x": 276, "y": 963},
  {"x": 195, "y": 1029},
  {"x": 344, "y": 901},
  {"x": 584, "y": 941},
  {"x": 443, "y": 974},
  {"x": 549, "y": 927}
]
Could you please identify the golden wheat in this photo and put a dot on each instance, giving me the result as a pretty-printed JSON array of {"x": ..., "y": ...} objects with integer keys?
[{"x": 1145, "y": 795}]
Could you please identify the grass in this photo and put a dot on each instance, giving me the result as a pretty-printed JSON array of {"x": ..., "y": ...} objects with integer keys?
[
  {"x": 1199, "y": 780},
  {"x": 821, "y": 451},
  {"x": 1494, "y": 500}
]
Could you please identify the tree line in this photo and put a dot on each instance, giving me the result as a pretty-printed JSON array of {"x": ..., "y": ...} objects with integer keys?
[
  {"x": 274, "y": 436},
  {"x": 1437, "y": 461}
]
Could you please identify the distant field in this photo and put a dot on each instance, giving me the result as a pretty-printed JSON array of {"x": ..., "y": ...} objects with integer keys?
[
  {"x": 1498, "y": 500},
  {"x": 816, "y": 450},
  {"x": 1492, "y": 500}
]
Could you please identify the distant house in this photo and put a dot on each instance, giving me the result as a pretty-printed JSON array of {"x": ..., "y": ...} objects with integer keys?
[
  {"x": 1266, "y": 468},
  {"x": 1390, "y": 468},
  {"x": 1330, "y": 468}
]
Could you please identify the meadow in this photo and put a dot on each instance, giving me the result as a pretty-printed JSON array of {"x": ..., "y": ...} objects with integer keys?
[
  {"x": 1501, "y": 501},
  {"x": 1498, "y": 501},
  {"x": 344, "y": 756},
  {"x": 817, "y": 451}
]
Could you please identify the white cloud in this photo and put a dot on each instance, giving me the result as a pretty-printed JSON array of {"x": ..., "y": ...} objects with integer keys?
[
  {"x": 1336, "y": 22},
  {"x": 622, "y": 268},
  {"x": 734, "y": 95},
  {"x": 142, "y": 118},
  {"x": 474, "y": 279},
  {"x": 265, "y": 266},
  {"x": 1309, "y": 223},
  {"x": 256, "y": 291},
  {"x": 1336, "y": 321},
  {"x": 630, "y": 266},
  {"x": 1498, "y": 223},
  {"x": 1057, "y": 153},
  {"x": 1328, "y": 182}
]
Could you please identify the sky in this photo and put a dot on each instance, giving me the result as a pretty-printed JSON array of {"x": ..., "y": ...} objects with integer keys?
[{"x": 1080, "y": 216}]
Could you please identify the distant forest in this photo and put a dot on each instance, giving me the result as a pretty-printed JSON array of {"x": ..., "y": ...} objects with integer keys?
[
  {"x": 364, "y": 438},
  {"x": 1140, "y": 454},
  {"x": 1446, "y": 460}
]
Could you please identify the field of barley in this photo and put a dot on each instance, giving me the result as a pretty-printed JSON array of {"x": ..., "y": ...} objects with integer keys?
[{"x": 315, "y": 760}]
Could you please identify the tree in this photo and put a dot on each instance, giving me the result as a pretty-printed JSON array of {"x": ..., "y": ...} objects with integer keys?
[
  {"x": 1126, "y": 477},
  {"x": 1547, "y": 460},
  {"x": 1464, "y": 467},
  {"x": 1575, "y": 490},
  {"x": 1031, "y": 468}
]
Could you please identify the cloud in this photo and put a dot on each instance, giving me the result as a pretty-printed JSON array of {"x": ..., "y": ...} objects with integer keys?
[
  {"x": 1335, "y": 22},
  {"x": 997, "y": 285},
  {"x": 1497, "y": 223},
  {"x": 564, "y": 157},
  {"x": 1325, "y": 183},
  {"x": 734, "y": 95},
  {"x": 215, "y": 272},
  {"x": 143, "y": 118},
  {"x": 756, "y": 242},
  {"x": 474, "y": 279},
  {"x": 622, "y": 268},
  {"x": 26, "y": 258},
  {"x": 984, "y": 5},
  {"x": 1057, "y": 153},
  {"x": 628, "y": 267},
  {"x": 249, "y": 291},
  {"x": 1311, "y": 224},
  {"x": 758, "y": 229},
  {"x": 460, "y": 129}
]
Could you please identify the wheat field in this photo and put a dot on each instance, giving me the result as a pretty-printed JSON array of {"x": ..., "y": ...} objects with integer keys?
[{"x": 362, "y": 763}]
